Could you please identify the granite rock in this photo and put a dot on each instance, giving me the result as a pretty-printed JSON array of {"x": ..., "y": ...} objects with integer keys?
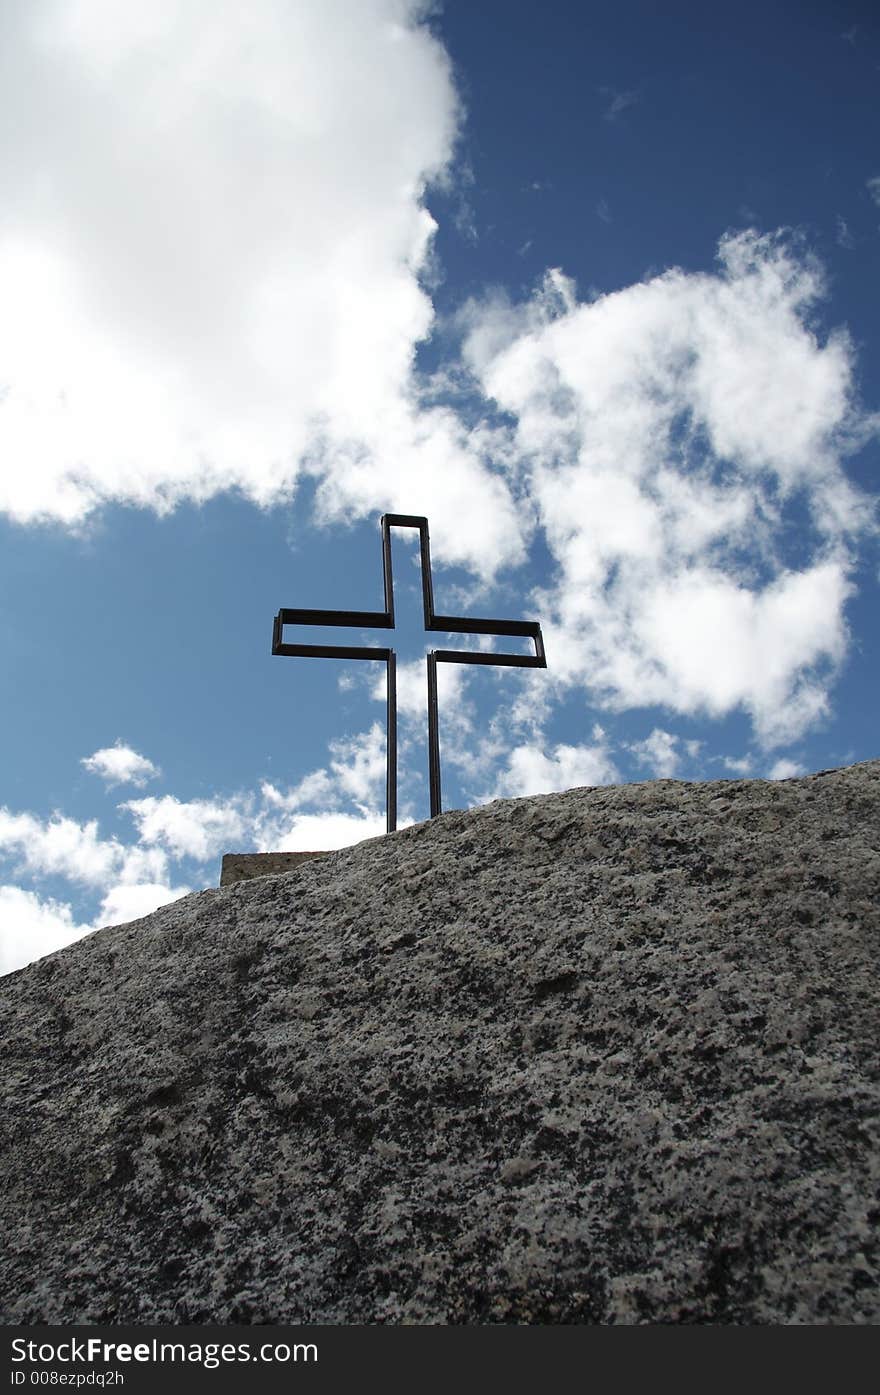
[{"x": 606, "y": 1056}]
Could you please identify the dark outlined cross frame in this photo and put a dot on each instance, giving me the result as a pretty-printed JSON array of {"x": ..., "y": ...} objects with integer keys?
[{"x": 384, "y": 620}]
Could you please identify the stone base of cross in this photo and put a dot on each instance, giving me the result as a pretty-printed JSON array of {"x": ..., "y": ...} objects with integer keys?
[{"x": 384, "y": 620}]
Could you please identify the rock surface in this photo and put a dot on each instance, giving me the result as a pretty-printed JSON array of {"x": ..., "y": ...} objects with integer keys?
[{"x": 607, "y": 1056}]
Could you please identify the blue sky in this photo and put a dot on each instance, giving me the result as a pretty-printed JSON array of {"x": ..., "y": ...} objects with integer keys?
[{"x": 593, "y": 287}]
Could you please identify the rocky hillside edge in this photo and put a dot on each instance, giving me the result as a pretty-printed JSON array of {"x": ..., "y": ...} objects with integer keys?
[{"x": 606, "y": 1056}]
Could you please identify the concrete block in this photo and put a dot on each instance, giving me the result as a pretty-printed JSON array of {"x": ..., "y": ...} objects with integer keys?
[{"x": 243, "y": 867}]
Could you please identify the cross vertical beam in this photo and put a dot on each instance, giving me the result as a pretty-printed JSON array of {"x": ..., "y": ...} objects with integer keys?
[
  {"x": 384, "y": 619},
  {"x": 433, "y": 735}
]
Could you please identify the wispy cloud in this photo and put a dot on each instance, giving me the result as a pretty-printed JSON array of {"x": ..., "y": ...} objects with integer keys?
[
  {"x": 844, "y": 237},
  {"x": 603, "y": 211},
  {"x": 617, "y": 102}
]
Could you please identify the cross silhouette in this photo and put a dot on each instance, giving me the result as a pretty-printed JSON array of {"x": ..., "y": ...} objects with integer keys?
[{"x": 384, "y": 620}]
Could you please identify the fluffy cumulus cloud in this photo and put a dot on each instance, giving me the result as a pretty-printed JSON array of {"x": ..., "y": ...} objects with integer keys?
[
  {"x": 59, "y": 847},
  {"x": 357, "y": 766},
  {"x": 120, "y": 765},
  {"x": 531, "y": 770},
  {"x": 129, "y": 879},
  {"x": 175, "y": 846},
  {"x": 785, "y": 770},
  {"x": 31, "y": 927},
  {"x": 658, "y": 752},
  {"x": 331, "y": 807},
  {"x": 213, "y": 224},
  {"x": 740, "y": 766},
  {"x": 321, "y": 832},
  {"x": 130, "y": 900},
  {"x": 199, "y": 828},
  {"x": 664, "y": 433}
]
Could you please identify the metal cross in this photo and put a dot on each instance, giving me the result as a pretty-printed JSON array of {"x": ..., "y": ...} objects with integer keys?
[{"x": 384, "y": 620}]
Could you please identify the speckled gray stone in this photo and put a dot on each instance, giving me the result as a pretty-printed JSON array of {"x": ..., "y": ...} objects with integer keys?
[{"x": 607, "y": 1056}]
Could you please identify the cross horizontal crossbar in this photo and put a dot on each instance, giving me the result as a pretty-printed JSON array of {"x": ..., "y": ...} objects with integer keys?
[{"x": 384, "y": 619}]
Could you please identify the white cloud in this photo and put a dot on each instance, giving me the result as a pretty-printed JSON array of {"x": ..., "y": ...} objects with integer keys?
[
  {"x": 214, "y": 227},
  {"x": 311, "y": 789},
  {"x": 740, "y": 765},
  {"x": 356, "y": 776},
  {"x": 873, "y": 187},
  {"x": 131, "y": 880},
  {"x": 129, "y": 901},
  {"x": 358, "y": 766},
  {"x": 134, "y": 879},
  {"x": 318, "y": 808},
  {"x": 324, "y": 831},
  {"x": 456, "y": 720},
  {"x": 412, "y": 691},
  {"x": 356, "y": 773},
  {"x": 142, "y": 864},
  {"x": 531, "y": 771},
  {"x": 708, "y": 642},
  {"x": 785, "y": 770},
  {"x": 120, "y": 765},
  {"x": 30, "y": 927},
  {"x": 663, "y": 431},
  {"x": 198, "y": 828},
  {"x": 59, "y": 847},
  {"x": 658, "y": 752}
]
